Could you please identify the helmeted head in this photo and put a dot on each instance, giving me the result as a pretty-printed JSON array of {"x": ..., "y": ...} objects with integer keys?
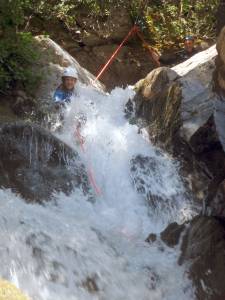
[
  {"x": 69, "y": 78},
  {"x": 189, "y": 43}
]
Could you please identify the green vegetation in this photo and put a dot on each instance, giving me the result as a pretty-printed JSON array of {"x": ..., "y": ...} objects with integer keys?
[
  {"x": 169, "y": 21},
  {"x": 17, "y": 51},
  {"x": 165, "y": 22}
]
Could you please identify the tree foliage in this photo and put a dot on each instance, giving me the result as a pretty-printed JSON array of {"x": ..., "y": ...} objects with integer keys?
[
  {"x": 16, "y": 48},
  {"x": 166, "y": 22},
  {"x": 169, "y": 21}
]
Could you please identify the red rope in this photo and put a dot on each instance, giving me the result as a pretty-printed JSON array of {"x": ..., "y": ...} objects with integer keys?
[
  {"x": 153, "y": 53},
  {"x": 133, "y": 30},
  {"x": 90, "y": 171}
]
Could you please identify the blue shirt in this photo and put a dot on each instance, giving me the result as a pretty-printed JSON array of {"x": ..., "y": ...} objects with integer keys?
[{"x": 62, "y": 96}]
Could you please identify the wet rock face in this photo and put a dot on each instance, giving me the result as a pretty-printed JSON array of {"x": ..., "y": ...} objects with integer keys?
[
  {"x": 143, "y": 169},
  {"x": 35, "y": 164},
  {"x": 202, "y": 248},
  {"x": 182, "y": 113},
  {"x": 98, "y": 37},
  {"x": 171, "y": 235},
  {"x": 207, "y": 145},
  {"x": 53, "y": 59},
  {"x": 220, "y": 62},
  {"x": 148, "y": 181},
  {"x": 157, "y": 104},
  {"x": 216, "y": 198},
  {"x": 177, "y": 102}
]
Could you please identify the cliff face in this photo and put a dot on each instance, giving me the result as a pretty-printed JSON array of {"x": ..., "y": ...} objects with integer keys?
[
  {"x": 92, "y": 43},
  {"x": 184, "y": 113},
  {"x": 201, "y": 242},
  {"x": 33, "y": 162},
  {"x": 195, "y": 132}
]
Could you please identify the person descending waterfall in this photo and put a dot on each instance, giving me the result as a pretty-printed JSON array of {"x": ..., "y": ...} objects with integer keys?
[{"x": 66, "y": 90}]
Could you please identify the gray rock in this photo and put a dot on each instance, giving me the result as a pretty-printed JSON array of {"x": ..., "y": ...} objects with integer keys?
[
  {"x": 197, "y": 95},
  {"x": 202, "y": 244},
  {"x": 53, "y": 59},
  {"x": 203, "y": 248},
  {"x": 35, "y": 164},
  {"x": 215, "y": 201},
  {"x": 184, "y": 114},
  {"x": 195, "y": 104},
  {"x": 171, "y": 235},
  {"x": 149, "y": 181}
]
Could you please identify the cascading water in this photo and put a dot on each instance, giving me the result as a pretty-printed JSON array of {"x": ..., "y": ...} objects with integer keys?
[{"x": 77, "y": 249}]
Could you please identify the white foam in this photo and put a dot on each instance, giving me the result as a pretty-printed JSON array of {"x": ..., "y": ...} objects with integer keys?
[{"x": 49, "y": 251}]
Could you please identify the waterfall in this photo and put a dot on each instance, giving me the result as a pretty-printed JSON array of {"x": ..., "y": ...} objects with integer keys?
[{"x": 72, "y": 248}]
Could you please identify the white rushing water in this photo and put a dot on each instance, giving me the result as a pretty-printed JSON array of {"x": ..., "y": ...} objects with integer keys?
[{"x": 74, "y": 249}]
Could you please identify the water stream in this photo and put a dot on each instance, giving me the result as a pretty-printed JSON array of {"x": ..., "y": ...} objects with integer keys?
[{"x": 74, "y": 249}]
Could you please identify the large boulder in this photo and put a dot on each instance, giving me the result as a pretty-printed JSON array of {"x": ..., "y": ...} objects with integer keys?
[
  {"x": 36, "y": 165},
  {"x": 220, "y": 62},
  {"x": 53, "y": 59},
  {"x": 202, "y": 244},
  {"x": 197, "y": 95},
  {"x": 38, "y": 103},
  {"x": 152, "y": 184},
  {"x": 157, "y": 104},
  {"x": 215, "y": 198},
  {"x": 183, "y": 113},
  {"x": 194, "y": 102}
]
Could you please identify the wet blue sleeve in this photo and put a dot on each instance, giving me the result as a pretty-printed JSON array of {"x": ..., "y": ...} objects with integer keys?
[{"x": 59, "y": 96}]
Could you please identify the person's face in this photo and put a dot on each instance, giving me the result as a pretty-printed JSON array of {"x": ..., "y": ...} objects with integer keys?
[
  {"x": 189, "y": 45},
  {"x": 69, "y": 83}
]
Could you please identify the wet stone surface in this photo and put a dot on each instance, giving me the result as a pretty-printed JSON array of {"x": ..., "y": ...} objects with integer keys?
[{"x": 36, "y": 165}]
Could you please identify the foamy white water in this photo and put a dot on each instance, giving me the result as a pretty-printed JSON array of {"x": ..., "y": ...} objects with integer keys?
[{"x": 64, "y": 250}]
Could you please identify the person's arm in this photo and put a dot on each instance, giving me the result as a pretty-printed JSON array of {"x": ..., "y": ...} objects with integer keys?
[{"x": 58, "y": 96}]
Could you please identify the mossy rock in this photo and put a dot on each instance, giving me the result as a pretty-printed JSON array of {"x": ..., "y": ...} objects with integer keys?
[{"x": 9, "y": 292}]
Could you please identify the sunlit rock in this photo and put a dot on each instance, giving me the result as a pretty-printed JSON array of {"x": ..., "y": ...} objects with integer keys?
[
  {"x": 155, "y": 82},
  {"x": 157, "y": 104},
  {"x": 9, "y": 292},
  {"x": 183, "y": 112},
  {"x": 53, "y": 59},
  {"x": 191, "y": 105}
]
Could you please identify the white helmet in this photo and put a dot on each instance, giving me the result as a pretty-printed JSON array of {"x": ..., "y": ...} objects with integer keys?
[{"x": 70, "y": 72}]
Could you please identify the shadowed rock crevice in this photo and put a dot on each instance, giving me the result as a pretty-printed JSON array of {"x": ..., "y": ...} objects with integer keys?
[{"x": 202, "y": 244}]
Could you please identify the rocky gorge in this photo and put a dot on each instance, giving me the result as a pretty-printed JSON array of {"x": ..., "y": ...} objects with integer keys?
[
  {"x": 93, "y": 42},
  {"x": 183, "y": 112}
]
